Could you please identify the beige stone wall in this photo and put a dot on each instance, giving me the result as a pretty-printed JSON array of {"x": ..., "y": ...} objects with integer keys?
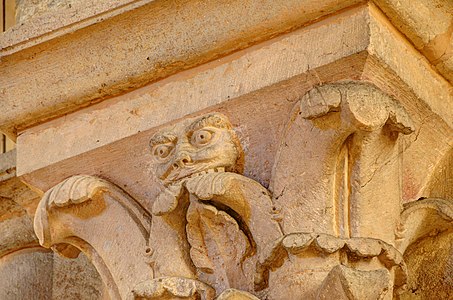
[
  {"x": 8, "y": 16},
  {"x": 7, "y": 20},
  {"x": 76, "y": 279},
  {"x": 246, "y": 149},
  {"x": 26, "y": 274},
  {"x": 27, "y": 9},
  {"x": 431, "y": 263},
  {"x": 36, "y": 273},
  {"x": 6, "y": 144}
]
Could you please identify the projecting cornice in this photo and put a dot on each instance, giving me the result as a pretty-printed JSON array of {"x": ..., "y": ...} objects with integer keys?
[
  {"x": 133, "y": 48},
  {"x": 357, "y": 44},
  {"x": 113, "y": 50}
]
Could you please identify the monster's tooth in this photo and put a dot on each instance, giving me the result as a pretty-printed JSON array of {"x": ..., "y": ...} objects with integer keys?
[
  {"x": 211, "y": 171},
  {"x": 220, "y": 169}
]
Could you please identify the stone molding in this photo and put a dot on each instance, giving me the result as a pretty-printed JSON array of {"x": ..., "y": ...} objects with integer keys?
[{"x": 89, "y": 81}]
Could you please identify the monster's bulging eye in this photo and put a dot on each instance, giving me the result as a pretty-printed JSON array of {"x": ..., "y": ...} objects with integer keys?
[
  {"x": 162, "y": 151},
  {"x": 201, "y": 137}
]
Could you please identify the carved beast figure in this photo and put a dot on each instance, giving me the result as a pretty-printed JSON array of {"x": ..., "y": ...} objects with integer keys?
[
  {"x": 207, "y": 145},
  {"x": 213, "y": 220}
]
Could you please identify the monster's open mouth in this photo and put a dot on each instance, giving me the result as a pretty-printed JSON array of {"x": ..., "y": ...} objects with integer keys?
[
  {"x": 214, "y": 170},
  {"x": 181, "y": 176}
]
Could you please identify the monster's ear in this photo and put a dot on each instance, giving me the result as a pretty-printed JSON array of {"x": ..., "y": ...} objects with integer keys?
[
  {"x": 240, "y": 161},
  {"x": 167, "y": 200}
]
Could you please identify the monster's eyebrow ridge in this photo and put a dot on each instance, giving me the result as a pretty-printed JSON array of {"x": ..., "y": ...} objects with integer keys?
[
  {"x": 162, "y": 138},
  {"x": 214, "y": 120}
]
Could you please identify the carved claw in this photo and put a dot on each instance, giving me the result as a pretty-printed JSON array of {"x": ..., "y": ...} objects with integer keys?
[
  {"x": 167, "y": 200},
  {"x": 171, "y": 288},
  {"x": 205, "y": 187}
]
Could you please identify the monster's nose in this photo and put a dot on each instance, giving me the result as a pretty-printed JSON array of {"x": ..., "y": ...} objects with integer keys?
[{"x": 182, "y": 160}]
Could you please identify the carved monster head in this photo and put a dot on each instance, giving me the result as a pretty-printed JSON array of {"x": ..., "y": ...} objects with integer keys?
[{"x": 194, "y": 147}]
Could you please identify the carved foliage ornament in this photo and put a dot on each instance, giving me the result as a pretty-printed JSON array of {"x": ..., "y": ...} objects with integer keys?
[{"x": 213, "y": 232}]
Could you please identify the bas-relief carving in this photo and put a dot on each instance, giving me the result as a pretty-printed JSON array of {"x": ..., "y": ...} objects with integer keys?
[
  {"x": 86, "y": 213},
  {"x": 331, "y": 224},
  {"x": 215, "y": 219}
]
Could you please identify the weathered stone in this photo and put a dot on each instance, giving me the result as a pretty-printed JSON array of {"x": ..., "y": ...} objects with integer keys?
[
  {"x": 26, "y": 274},
  {"x": 349, "y": 284},
  {"x": 430, "y": 267},
  {"x": 86, "y": 200},
  {"x": 157, "y": 26},
  {"x": 168, "y": 288},
  {"x": 228, "y": 150},
  {"x": 423, "y": 218},
  {"x": 76, "y": 279},
  {"x": 232, "y": 294},
  {"x": 360, "y": 123},
  {"x": 428, "y": 25}
]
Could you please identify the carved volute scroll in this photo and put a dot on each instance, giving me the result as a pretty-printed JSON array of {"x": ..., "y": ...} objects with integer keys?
[
  {"x": 86, "y": 213},
  {"x": 340, "y": 144},
  {"x": 422, "y": 218}
]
